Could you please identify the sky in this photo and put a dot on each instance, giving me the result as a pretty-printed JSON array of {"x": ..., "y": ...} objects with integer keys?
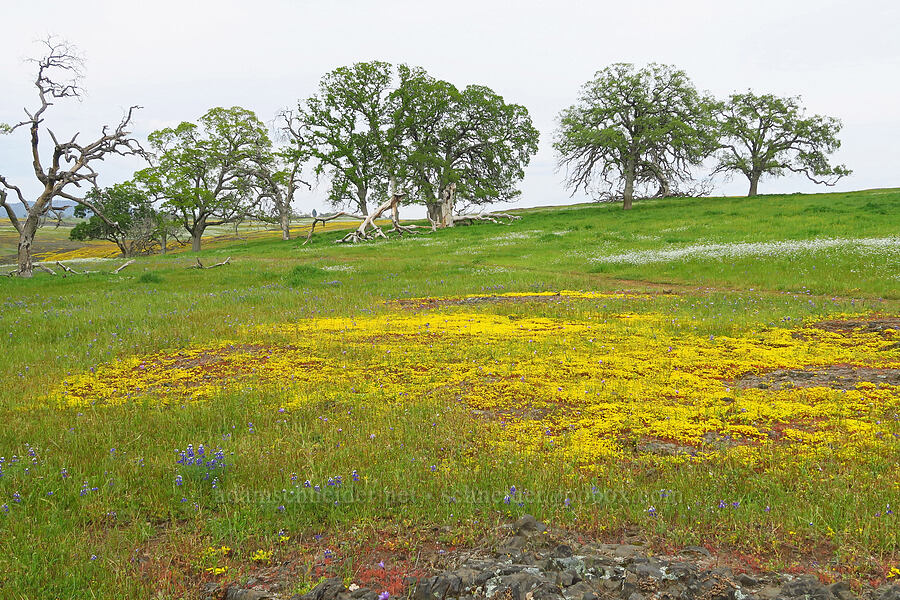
[{"x": 178, "y": 59}]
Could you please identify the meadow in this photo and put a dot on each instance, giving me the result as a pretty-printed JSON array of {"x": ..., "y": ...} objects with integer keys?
[{"x": 320, "y": 405}]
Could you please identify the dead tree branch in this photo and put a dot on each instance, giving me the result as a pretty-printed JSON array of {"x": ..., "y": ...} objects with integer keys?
[
  {"x": 368, "y": 230},
  {"x": 324, "y": 220},
  {"x": 68, "y": 269},
  {"x": 130, "y": 262},
  {"x": 199, "y": 264}
]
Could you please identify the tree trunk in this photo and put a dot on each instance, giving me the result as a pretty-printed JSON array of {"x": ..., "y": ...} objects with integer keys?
[
  {"x": 447, "y": 205},
  {"x": 164, "y": 240},
  {"x": 754, "y": 184},
  {"x": 434, "y": 211},
  {"x": 629, "y": 184},
  {"x": 26, "y": 239},
  {"x": 361, "y": 194},
  {"x": 665, "y": 190},
  {"x": 285, "y": 223},
  {"x": 197, "y": 233}
]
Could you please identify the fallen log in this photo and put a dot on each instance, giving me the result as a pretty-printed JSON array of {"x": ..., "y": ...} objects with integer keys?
[
  {"x": 116, "y": 272},
  {"x": 369, "y": 230},
  {"x": 68, "y": 269}
]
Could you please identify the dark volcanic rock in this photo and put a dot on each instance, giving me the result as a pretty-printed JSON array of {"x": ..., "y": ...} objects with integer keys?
[
  {"x": 527, "y": 525},
  {"x": 235, "y": 593},
  {"x": 806, "y": 587},
  {"x": 327, "y": 590},
  {"x": 888, "y": 592},
  {"x": 535, "y": 564}
]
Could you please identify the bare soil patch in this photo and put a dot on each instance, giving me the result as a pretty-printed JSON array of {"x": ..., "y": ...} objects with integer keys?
[
  {"x": 839, "y": 377},
  {"x": 879, "y": 324},
  {"x": 223, "y": 363}
]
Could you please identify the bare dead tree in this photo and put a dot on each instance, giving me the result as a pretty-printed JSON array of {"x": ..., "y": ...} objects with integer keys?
[
  {"x": 282, "y": 176},
  {"x": 70, "y": 162}
]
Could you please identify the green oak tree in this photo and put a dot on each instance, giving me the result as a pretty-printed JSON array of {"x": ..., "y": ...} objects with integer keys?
[
  {"x": 130, "y": 220},
  {"x": 465, "y": 145},
  {"x": 207, "y": 174},
  {"x": 347, "y": 126},
  {"x": 634, "y": 130},
  {"x": 763, "y": 134}
]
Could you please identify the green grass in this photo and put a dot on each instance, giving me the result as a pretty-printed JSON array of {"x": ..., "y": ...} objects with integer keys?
[{"x": 53, "y": 327}]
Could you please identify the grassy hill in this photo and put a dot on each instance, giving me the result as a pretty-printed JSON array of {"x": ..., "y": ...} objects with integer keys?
[{"x": 372, "y": 372}]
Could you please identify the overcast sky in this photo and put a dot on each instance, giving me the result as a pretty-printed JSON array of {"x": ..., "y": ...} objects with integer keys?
[{"x": 178, "y": 59}]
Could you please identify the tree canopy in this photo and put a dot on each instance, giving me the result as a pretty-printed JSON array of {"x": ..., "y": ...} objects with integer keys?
[
  {"x": 130, "y": 220},
  {"x": 634, "y": 130},
  {"x": 467, "y": 144},
  {"x": 385, "y": 136},
  {"x": 763, "y": 135},
  {"x": 347, "y": 126},
  {"x": 207, "y": 174},
  {"x": 372, "y": 123}
]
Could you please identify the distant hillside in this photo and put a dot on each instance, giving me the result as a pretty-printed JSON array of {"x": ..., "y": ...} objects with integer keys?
[{"x": 19, "y": 210}]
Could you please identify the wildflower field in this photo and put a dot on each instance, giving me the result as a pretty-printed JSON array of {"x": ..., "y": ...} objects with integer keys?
[{"x": 709, "y": 372}]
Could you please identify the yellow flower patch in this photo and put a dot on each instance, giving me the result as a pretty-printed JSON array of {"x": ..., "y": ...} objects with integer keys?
[{"x": 607, "y": 386}]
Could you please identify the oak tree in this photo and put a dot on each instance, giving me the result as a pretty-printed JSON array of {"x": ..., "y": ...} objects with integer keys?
[
  {"x": 347, "y": 126},
  {"x": 282, "y": 175},
  {"x": 763, "y": 134},
  {"x": 130, "y": 220},
  {"x": 633, "y": 131},
  {"x": 466, "y": 146},
  {"x": 207, "y": 174}
]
